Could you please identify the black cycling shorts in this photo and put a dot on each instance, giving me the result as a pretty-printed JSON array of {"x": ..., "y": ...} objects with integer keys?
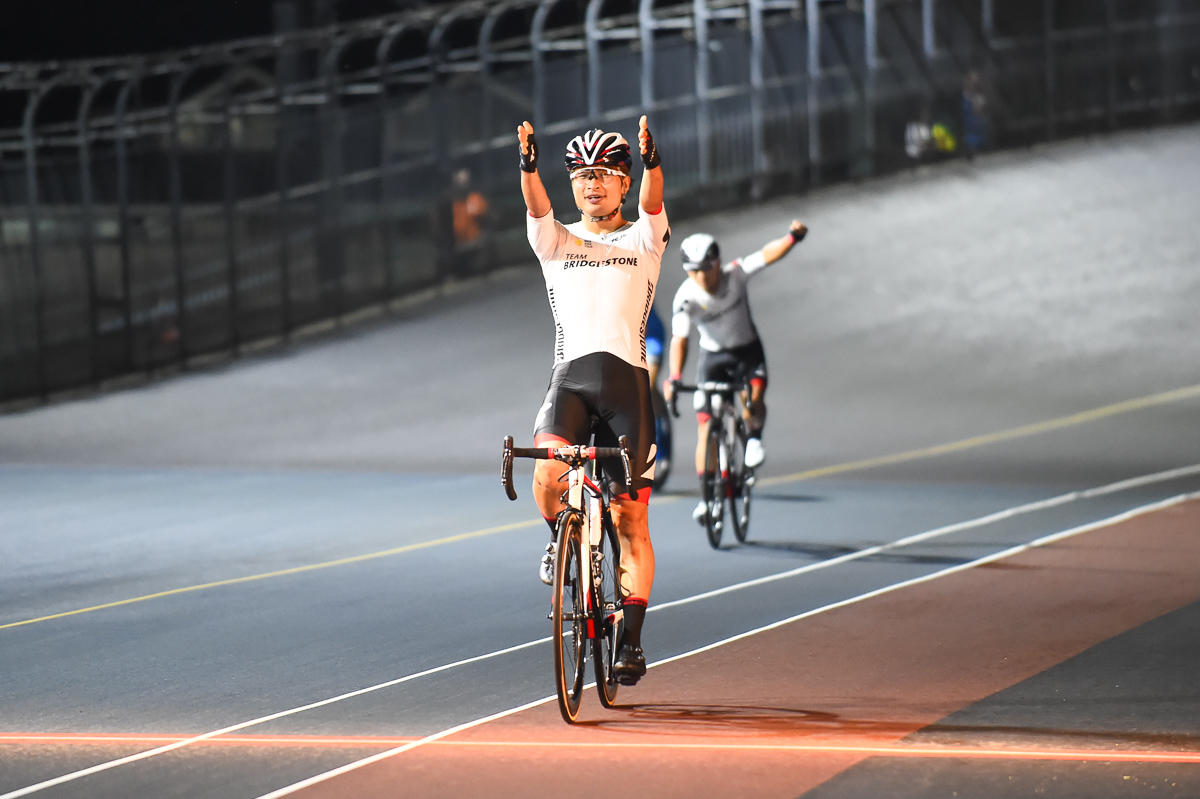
[
  {"x": 747, "y": 362},
  {"x": 616, "y": 394}
]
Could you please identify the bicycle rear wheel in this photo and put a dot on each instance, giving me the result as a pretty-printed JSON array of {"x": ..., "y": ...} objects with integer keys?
[
  {"x": 713, "y": 486},
  {"x": 741, "y": 480},
  {"x": 607, "y": 601},
  {"x": 569, "y": 615},
  {"x": 662, "y": 439}
]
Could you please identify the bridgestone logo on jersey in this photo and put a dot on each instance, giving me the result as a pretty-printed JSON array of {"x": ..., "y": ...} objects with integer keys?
[
  {"x": 618, "y": 261},
  {"x": 645, "y": 320}
]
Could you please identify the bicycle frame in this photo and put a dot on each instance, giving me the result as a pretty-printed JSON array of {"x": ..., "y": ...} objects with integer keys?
[{"x": 587, "y": 499}]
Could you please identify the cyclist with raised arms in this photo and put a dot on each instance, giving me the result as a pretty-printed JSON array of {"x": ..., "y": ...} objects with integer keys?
[
  {"x": 715, "y": 301},
  {"x": 600, "y": 275}
]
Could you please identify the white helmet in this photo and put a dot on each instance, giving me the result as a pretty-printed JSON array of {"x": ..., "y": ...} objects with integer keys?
[
  {"x": 700, "y": 251},
  {"x": 599, "y": 149}
]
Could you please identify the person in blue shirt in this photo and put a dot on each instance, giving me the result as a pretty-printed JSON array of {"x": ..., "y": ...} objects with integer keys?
[{"x": 656, "y": 339}]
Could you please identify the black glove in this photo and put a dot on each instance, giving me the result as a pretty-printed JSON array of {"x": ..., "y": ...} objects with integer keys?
[
  {"x": 650, "y": 157},
  {"x": 529, "y": 160},
  {"x": 675, "y": 383},
  {"x": 798, "y": 235}
]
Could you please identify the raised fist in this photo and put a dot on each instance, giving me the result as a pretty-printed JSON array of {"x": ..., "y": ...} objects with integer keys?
[
  {"x": 529, "y": 148},
  {"x": 649, "y": 151}
]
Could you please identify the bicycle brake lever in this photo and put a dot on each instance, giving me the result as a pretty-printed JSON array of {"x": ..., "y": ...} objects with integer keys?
[
  {"x": 506, "y": 469},
  {"x": 623, "y": 443}
]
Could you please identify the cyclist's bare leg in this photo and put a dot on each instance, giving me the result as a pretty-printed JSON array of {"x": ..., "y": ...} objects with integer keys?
[
  {"x": 548, "y": 486},
  {"x": 756, "y": 413},
  {"x": 632, "y": 520},
  {"x": 702, "y": 443}
]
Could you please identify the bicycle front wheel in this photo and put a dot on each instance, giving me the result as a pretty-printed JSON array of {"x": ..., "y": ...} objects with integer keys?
[
  {"x": 741, "y": 480},
  {"x": 607, "y": 602},
  {"x": 569, "y": 614},
  {"x": 713, "y": 486}
]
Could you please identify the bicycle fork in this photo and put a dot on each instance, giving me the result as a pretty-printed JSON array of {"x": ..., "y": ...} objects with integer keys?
[{"x": 592, "y": 528}]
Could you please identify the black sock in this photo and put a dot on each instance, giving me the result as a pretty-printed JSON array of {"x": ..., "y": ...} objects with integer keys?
[
  {"x": 552, "y": 523},
  {"x": 635, "y": 614}
]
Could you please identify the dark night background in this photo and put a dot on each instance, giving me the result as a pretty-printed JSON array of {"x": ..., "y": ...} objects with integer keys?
[{"x": 43, "y": 30}]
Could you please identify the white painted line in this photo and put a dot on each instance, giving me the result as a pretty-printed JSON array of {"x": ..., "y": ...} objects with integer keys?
[
  {"x": 982, "y": 521},
  {"x": 366, "y": 761},
  {"x": 1146, "y": 479},
  {"x": 1007, "y": 553},
  {"x": 96, "y": 769},
  {"x": 1059, "y": 500}
]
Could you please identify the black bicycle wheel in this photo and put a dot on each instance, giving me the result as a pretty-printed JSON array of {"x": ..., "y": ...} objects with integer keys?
[
  {"x": 713, "y": 486},
  {"x": 741, "y": 481},
  {"x": 569, "y": 616},
  {"x": 607, "y": 602},
  {"x": 662, "y": 440}
]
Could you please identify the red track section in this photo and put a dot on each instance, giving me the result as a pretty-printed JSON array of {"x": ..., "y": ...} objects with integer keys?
[{"x": 782, "y": 712}]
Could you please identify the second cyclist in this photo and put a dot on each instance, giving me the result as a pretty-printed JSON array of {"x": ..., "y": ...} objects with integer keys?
[{"x": 714, "y": 300}]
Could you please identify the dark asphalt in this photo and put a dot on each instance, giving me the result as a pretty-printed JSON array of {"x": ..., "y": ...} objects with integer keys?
[
  {"x": 1139, "y": 690},
  {"x": 891, "y": 328}
]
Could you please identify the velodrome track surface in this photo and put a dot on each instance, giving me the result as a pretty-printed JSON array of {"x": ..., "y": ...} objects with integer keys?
[{"x": 314, "y": 540}]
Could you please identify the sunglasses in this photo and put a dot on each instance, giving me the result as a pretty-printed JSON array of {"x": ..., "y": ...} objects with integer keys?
[{"x": 602, "y": 174}]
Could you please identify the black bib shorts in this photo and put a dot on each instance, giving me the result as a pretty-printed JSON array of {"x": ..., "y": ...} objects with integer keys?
[
  {"x": 602, "y": 387},
  {"x": 747, "y": 362}
]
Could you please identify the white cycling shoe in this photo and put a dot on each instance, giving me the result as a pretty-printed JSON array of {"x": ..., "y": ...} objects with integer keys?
[
  {"x": 546, "y": 570},
  {"x": 701, "y": 509},
  {"x": 755, "y": 454}
]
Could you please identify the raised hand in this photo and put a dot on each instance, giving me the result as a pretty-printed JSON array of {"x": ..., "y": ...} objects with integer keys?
[
  {"x": 529, "y": 148},
  {"x": 649, "y": 151},
  {"x": 798, "y": 231}
]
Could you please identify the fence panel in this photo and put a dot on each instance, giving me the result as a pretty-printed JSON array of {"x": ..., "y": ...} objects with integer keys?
[{"x": 156, "y": 210}]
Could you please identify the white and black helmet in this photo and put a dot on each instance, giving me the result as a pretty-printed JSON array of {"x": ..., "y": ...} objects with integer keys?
[
  {"x": 700, "y": 251},
  {"x": 599, "y": 149}
]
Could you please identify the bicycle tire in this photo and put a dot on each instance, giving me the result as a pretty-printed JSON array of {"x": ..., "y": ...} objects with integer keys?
[
  {"x": 569, "y": 617},
  {"x": 607, "y": 603},
  {"x": 713, "y": 487},
  {"x": 662, "y": 439},
  {"x": 740, "y": 485}
]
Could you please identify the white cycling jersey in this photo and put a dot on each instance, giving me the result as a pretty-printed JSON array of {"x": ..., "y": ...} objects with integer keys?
[
  {"x": 600, "y": 285},
  {"x": 724, "y": 317}
]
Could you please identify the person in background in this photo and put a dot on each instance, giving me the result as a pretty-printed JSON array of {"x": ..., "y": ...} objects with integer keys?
[
  {"x": 468, "y": 211},
  {"x": 714, "y": 300},
  {"x": 656, "y": 340},
  {"x": 975, "y": 114}
]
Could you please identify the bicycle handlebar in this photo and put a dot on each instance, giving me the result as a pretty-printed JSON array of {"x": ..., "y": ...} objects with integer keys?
[
  {"x": 575, "y": 455},
  {"x": 708, "y": 387}
]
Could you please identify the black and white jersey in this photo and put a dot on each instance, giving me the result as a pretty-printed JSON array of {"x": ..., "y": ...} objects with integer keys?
[
  {"x": 723, "y": 318},
  {"x": 600, "y": 285}
]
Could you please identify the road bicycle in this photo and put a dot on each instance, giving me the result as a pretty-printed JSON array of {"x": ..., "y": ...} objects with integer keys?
[
  {"x": 586, "y": 605},
  {"x": 726, "y": 479}
]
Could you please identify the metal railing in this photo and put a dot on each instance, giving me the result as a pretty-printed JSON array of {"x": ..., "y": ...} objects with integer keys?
[{"x": 161, "y": 208}]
